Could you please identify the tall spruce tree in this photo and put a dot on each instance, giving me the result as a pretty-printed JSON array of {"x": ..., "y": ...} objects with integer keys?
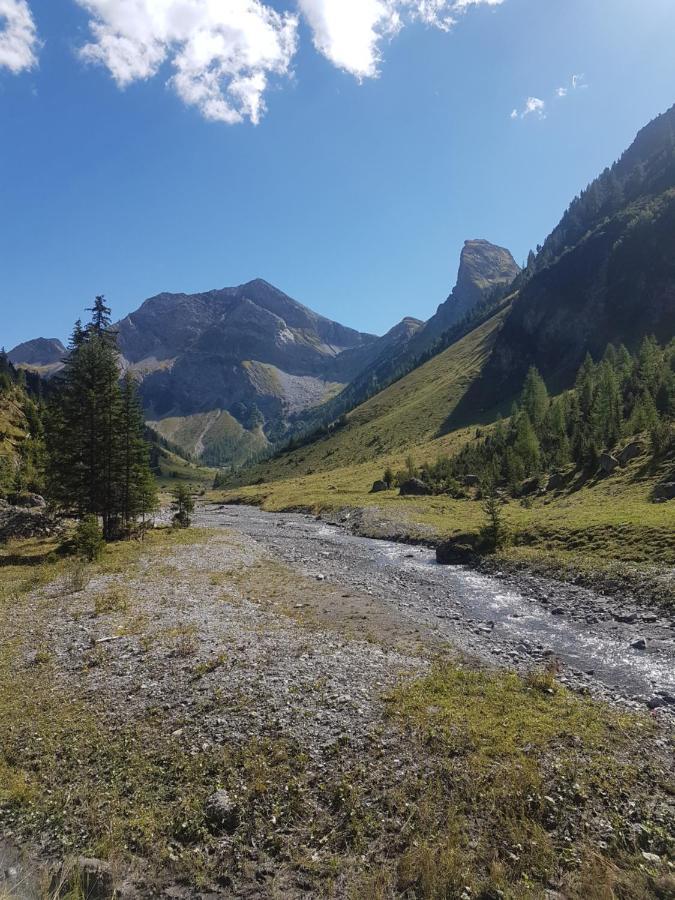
[{"x": 97, "y": 458}]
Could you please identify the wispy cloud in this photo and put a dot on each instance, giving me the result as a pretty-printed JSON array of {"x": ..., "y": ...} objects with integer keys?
[
  {"x": 533, "y": 107},
  {"x": 536, "y": 107},
  {"x": 18, "y": 36}
]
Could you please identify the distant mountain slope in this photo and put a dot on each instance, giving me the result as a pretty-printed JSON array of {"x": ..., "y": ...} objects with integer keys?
[
  {"x": 409, "y": 412},
  {"x": 485, "y": 275},
  {"x": 605, "y": 274},
  {"x": 222, "y": 371},
  {"x": 43, "y": 355}
]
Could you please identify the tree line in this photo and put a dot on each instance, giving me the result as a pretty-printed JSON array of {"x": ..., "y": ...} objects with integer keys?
[{"x": 612, "y": 400}]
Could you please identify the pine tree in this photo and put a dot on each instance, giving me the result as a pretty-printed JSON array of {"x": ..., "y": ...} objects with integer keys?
[
  {"x": 526, "y": 445},
  {"x": 97, "y": 460},
  {"x": 137, "y": 486},
  {"x": 535, "y": 400}
]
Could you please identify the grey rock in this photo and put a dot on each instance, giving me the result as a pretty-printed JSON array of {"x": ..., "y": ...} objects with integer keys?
[
  {"x": 415, "y": 487},
  {"x": 26, "y": 499},
  {"x": 640, "y": 644},
  {"x": 630, "y": 451},
  {"x": 378, "y": 487},
  {"x": 556, "y": 481},
  {"x": 470, "y": 480},
  {"x": 608, "y": 463},
  {"x": 665, "y": 491},
  {"x": 222, "y": 812},
  {"x": 656, "y": 703},
  {"x": 628, "y": 618},
  {"x": 96, "y": 878},
  {"x": 529, "y": 487},
  {"x": 23, "y": 522},
  {"x": 483, "y": 267}
]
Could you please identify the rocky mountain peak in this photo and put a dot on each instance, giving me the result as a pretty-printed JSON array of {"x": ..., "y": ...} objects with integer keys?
[
  {"x": 38, "y": 352},
  {"x": 482, "y": 268}
]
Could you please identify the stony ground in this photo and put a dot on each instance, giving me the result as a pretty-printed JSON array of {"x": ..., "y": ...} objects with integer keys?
[{"x": 242, "y": 713}]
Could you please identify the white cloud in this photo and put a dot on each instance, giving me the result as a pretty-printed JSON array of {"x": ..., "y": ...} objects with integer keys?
[
  {"x": 18, "y": 36},
  {"x": 579, "y": 82},
  {"x": 223, "y": 52},
  {"x": 350, "y": 33},
  {"x": 561, "y": 92},
  {"x": 533, "y": 107}
]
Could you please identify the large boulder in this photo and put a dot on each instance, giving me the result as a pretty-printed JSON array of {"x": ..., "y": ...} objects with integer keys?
[
  {"x": 556, "y": 481},
  {"x": 608, "y": 463},
  {"x": 630, "y": 451},
  {"x": 415, "y": 487},
  {"x": 531, "y": 486},
  {"x": 26, "y": 499},
  {"x": 665, "y": 491},
  {"x": 456, "y": 551},
  {"x": 378, "y": 487},
  {"x": 25, "y": 522}
]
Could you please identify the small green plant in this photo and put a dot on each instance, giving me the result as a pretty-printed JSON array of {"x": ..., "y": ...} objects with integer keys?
[
  {"x": 88, "y": 540},
  {"x": 494, "y": 531},
  {"x": 388, "y": 477},
  {"x": 183, "y": 506},
  {"x": 114, "y": 600},
  {"x": 78, "y": 577}
]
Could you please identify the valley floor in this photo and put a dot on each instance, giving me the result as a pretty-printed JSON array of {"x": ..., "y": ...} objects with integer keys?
[{"x": 268, "y": 706}]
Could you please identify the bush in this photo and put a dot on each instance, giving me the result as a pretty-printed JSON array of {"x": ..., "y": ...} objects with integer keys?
[
  {"x": 494, "y": 531},
  {"x": 182, "y": 506},
  {"x": 88, "y": 541}
]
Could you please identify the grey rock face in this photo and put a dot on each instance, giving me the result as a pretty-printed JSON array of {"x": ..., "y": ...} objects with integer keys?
[
  {"x": 608, "y": 463},
  {"x": 38, "y": 352},
  {"x": 483, "y": 268},
  {"x": 378, "y": 487},
  {"x": 629, "y": 452},
  {"x": 250, "y": 351}
]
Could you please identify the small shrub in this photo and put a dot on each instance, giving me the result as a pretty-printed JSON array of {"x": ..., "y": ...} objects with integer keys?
[
  {"x": 88, "y": 541},
  {"x": 494, "y": 532},
  {"x": 114, "y": 600},
  {"x": 183, "y": 505},
  {"x": 78, "y": 578}
]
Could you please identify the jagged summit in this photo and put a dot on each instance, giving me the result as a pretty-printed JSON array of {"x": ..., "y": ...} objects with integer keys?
[{"x": 483, "y": 268}]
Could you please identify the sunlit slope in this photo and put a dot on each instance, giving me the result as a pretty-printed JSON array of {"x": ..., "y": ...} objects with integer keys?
[{"x": 406, "y": 415}]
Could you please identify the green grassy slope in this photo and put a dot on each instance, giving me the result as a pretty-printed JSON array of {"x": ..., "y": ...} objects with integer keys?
[
  {"x": 600, "y": 520},
  {"x": 405, "y": 417}
]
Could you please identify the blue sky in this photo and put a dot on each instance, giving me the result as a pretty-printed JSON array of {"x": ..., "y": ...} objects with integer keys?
[{"x": 383, "y": 144}]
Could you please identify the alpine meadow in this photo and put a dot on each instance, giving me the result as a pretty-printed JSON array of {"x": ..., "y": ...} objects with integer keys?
[{"x": 367, "y": 599}]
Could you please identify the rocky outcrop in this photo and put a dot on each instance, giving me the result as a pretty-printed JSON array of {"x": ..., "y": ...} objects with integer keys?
[
  {"x": 630, "y": 452},
  {"x": 378, "y": 487},
  {"x": 608, "y": 463},
  {"x": 414, "y": 487},
  {"x": 25, "y": 522},
  {"x": 483, "y": 269}
]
